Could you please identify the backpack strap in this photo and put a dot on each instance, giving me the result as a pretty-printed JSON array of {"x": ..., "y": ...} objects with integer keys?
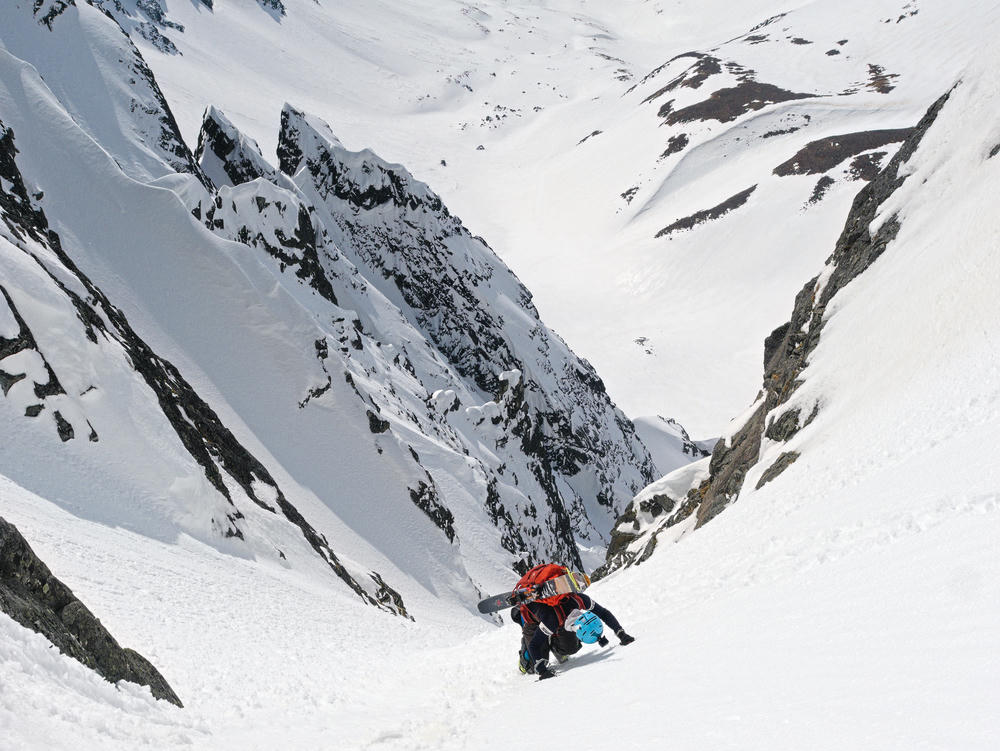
[
  {"x": 567, "y": 604},
  {"x": 526, "y": 615}
]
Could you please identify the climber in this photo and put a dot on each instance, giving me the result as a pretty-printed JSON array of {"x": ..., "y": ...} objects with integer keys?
[{"x": 558, "y": 622}]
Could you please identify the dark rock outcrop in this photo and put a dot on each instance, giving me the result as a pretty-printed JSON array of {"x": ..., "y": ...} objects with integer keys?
[
  {"x": 824, "y": 154},
  {"x": 677, "y": 143},
  {"x": 225, "y": 154},
  {"x": 788, "y": 348},
  {"x": 46, "y": 11},
  {"x": 729, "y": 103},
  {"x": 786, "y": 354},
  {"x": 693, "y": 77},
  {"x": 782, "y": 463},
  {"x": 820, "y": 188},
  {"x": 425, "y": 497},
  {"x": 706, "y": 215},
  {"x": 866, "y": 166},
  {"x": 36, "y": 599},
  {"x": 879, "y": 80}
]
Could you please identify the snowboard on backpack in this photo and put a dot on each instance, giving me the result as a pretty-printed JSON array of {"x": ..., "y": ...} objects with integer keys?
[
  {"x": 560, "y": 581},
  {"x": 496, "y": 603}
]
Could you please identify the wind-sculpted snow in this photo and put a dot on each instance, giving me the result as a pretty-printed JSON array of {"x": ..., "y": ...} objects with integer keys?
[
  {"x": 760, "y": 446},
  {"x": 103, "y": 80},
  {"x": 229, "y": 468},
  {"x": 415, "y": 297}
]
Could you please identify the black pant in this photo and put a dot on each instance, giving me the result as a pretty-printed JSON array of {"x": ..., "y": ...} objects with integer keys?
[
  {"x": 562, "y": 641},
  {"x": 553, "y": 617}
]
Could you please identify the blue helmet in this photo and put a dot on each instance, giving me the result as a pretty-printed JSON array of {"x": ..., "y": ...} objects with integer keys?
[{"x": 588, "y": 627}]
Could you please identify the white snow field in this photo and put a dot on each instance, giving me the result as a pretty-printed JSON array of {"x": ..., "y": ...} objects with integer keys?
[
  {"x": 852, "y": 603},
  {"x": 506, "y": 92}
]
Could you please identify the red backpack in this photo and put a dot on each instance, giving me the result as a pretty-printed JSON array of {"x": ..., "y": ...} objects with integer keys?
[{"x": 548, "y": 583}]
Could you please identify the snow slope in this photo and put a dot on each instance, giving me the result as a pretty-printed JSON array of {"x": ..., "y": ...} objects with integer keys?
[
  {"x": 669, "y": 443},
  {"x": 849, "y": 603},
  {"x": 571, "y": 184},
  {"x": 346, "y": 351}
]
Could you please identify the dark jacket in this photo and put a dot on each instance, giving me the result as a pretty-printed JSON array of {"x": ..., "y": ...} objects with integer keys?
[{"x": 546, "y": 621}]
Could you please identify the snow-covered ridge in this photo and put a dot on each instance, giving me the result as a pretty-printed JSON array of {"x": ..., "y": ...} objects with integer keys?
[
  {"x": 394, "y": 260},
  {"x": 226, "y": 155},
  {"x": 299, "y": 392},
  {"x": 36, "y": 261},
  {"x": 789, "y": 415}
]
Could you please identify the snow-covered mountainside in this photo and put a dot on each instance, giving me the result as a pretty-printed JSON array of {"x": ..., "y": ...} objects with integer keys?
[
  {"x": 669, "y": 443},
  {"x": 275, "y": 417},
  {"x": 877, "y": 257},
  {"x": 71, "y": 366},
  {"x": 327, "y": 341},
  {"x": 638, "y": 155}
]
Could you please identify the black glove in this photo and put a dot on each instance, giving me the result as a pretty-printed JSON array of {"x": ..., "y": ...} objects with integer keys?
[
  {"x": 602, "y": 640},
  {"x": 624, "y": 638},
  {"x": 542, "y": 670}
]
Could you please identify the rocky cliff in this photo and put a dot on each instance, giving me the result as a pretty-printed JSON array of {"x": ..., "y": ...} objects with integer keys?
[
  {"x": 280, "y": 361},
  {"x": 477, "y": 367},
  {"x": 697, "y": 494}
]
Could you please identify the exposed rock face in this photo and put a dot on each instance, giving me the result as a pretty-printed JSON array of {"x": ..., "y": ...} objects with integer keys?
[
  {"x": 693, "y": 77},
  {"x": 722, "y": 105},
  {"x": 729, "y": 103},
  {"x": 662, "y": 506},
  {"x": 879, "y": 80},
  {"x": 675, "y": 145},
  {"x": 824, "y": 154},
  {"x": 787, "y": 349},
  {"x": 46, "y": 11},
  {"x": 25, "y": 221},
  {"x": 226, "y": 155},
  {"x": 782, "y": 463},
  {"x": 36, "y": 599},
  {"x": 820, "y": 189},
  {"x": 707, "y": 215},
  {"x": 275, "y": 7},
  {"x": 452, "y": 287}
]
